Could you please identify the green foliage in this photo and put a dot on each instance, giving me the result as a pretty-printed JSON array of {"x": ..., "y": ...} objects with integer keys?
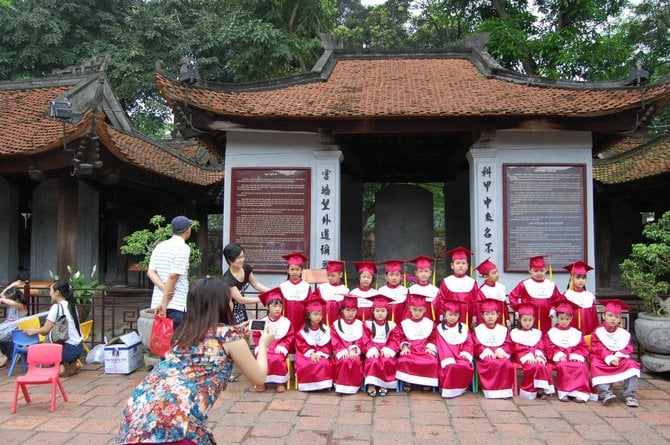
[
  {"x": 647, "y": 270},
  {"x": 142, "y": 242},
  {"x": 84, "y": 289}
]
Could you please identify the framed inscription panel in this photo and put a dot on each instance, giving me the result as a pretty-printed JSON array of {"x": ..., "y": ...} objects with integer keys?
[
  {"x": 544, "y": 209},
  {"x": 270, "y": 214}
]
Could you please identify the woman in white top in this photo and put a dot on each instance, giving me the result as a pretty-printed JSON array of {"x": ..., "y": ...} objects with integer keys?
[{"x": 62, "y": 295}]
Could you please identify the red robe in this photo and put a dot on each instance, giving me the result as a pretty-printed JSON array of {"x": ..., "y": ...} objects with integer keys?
[
  {"x": 348, "y": 372},
  {"x": 278, "y": 349},
  {"x": 606, "y": 346},
  {"x": 586, "y": 316},
  {"x": 364, "y": 304},
  {"x": 497, "y": 292},
  {"x": 295, "y": 295},
  {"x": 463, "y": 289},
  {"x": 496, "y": 375},
  {"x": 527, "y": 344},
  {"x": 313, "y": 376},
  {"x": 419, "y": 366},
  {"x": 380, "y": 371},
  {"x": 455, "y": 350},
  {"x": 399, "y": 296},
  {"x": 543, "y": 294},
  {"x": 572, "y": 375},
  {"x": 332, "y": 295}
]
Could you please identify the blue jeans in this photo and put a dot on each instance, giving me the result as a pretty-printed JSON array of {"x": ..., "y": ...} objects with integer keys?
[
  {"x": 176, "y": 316},
  {"x": 72, "y": 352}
]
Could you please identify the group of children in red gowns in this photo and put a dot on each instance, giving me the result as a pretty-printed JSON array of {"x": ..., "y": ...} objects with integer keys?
[{"x": 440, "y": 337}]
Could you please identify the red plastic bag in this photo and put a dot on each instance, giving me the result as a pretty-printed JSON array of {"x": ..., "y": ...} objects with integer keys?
[{"x": 161, "y": 333}]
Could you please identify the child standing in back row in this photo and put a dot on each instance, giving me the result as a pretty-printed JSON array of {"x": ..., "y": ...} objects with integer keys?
[
  {"x": 295, "y": 290},
  {"x": 423, "y": 286},
  {"x": 394, "y": 289},
  {"x": 586, "y": 316},
  {"x": 459, "y": 286},
  {"x": 492, "y": 289},
  {"x": 332, "y": 291},
  {"x": 366, "y": 289}
]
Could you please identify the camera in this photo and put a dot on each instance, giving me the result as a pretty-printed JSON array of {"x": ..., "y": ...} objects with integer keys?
[{"x": 257, "y": 325}]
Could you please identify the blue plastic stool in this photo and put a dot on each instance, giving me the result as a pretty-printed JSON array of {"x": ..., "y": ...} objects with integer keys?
[{"x": 21, "y": 342}]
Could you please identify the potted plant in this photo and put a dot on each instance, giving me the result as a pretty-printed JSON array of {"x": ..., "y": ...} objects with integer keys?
[{"x": 647, "y": 273}]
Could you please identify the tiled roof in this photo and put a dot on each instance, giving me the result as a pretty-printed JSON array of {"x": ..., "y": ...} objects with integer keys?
[
  {"x": 26, "y": 129},
  {"x": 144, "y": 154},
  {"x": 404, "y": 87},
  {"x": 645, "y": 161}
]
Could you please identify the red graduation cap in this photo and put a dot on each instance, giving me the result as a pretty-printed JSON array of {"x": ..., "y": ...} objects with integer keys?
[
  {"x": 334, "y": 266},
  {"x": 365, "y": 266},
  {"x": 459, "y": 253},
  {"x": 272, "y": 294},
  {"x": 380, "y": 301},
  {"x": 488, "y": 305},
  {"x": 416, "y": 300},
  {"x": 453, "y": 306},
  {"x": 537, "y": 262},
  {"x": 486, "y": 266},
  {"x": 295, "y": 258},
  {"x": 615, "y": 306},
  {"x": 314, "y": 304},
  {"x": 525, "y": 309},
  {"x": 393, "y": 265},
  {"x": 565, "y": 307},
  {"x": 349, "y": 301},
  {"x": 423, "y": 262},
  {"x": 578, "y": 268}
]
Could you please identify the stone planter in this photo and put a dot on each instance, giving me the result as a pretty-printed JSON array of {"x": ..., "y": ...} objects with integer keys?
[
  {"x": 144, "y": 325},
  {"x": 653, "y": 335}
]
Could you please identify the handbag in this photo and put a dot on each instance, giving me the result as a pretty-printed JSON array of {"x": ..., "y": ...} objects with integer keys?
[
  {"x": 59, "y": 333},
  {"x": 161, "y": 334}
]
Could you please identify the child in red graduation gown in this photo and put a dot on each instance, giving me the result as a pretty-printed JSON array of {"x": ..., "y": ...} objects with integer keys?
[
  {"x": 417, "y": 362},
  {"x": 365, "y": 290},
  {"x": 313, "y": 368},
  {"x": 538, "y": 290},
  {"x": 493, "y": 289},
  {"x": 383, "y": 344},
  {"x": 459, "y": 286},
  {"x": 586, "y": 315},
  {"x": 493, "y": 350},
  {"x": 294, "y": 290},
  {"x": 611, "y": 359},
  {"x": 423, "y": 285},
  {"x": 394, "y": 289},
  {"x": 283, "y": 342},
  {"x": 528, "y": 348},
  {"x": 568, "y": 351},
  {"x": 332, "y": 291},
  {"x": 455, "y": 350},
  {"x": 348, "y": 338}
]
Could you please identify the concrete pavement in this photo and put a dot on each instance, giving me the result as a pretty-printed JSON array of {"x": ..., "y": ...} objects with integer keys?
[{"x": 241, "y": 415}]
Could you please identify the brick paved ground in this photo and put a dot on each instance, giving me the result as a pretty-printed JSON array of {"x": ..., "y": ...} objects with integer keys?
[{"x": 243, "y": 416}]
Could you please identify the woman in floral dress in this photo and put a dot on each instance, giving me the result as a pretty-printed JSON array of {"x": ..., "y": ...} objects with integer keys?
[{"x": 171, "y": 404}]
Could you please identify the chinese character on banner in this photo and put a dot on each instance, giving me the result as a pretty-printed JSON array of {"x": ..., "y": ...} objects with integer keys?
[
  {"x": 486, "y": 171},
  {"x": 325, "y": 190},
  {"x": 325, "y": 249},
  {"x": 325, "y": 203},
  {"x": 325, "y": 234},
  {"x": 325, "y": 174},
  {"x": 325, "y": 220}
]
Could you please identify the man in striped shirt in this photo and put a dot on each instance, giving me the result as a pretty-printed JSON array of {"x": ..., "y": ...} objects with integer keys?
[{"x": 168, "y": 270}]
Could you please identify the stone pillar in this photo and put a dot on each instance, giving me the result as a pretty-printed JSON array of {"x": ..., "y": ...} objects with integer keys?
[
  {"x": 9, "y": 227},
  {"x": 43, "y": 251},
  {"x": 403, "y": 222}
]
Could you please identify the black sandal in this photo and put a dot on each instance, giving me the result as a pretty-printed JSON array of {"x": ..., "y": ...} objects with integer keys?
[
  {"x": 382, "y": 392},
  {"x": 372, "y": 392}
]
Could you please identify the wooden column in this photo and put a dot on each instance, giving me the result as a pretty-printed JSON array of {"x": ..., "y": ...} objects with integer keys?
[{"x": 68, "y": 222}]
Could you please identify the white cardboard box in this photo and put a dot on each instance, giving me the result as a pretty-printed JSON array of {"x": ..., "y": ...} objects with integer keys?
[{"x": 123, "y": 354}]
